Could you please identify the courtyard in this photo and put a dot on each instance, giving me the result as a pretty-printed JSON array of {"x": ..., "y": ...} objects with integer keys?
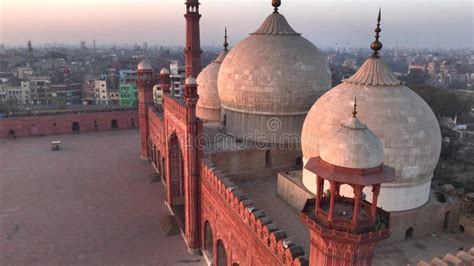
[{"x": 90, "y": 203}]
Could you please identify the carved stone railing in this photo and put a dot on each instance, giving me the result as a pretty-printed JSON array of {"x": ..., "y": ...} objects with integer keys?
[{"x": 273, "y": 238}]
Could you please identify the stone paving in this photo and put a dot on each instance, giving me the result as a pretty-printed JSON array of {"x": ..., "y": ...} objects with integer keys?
[{"x": 90, "y": 203}]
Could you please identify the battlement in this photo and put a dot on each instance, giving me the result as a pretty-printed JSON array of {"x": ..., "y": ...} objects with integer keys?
[{"x": 261, "y": 226}]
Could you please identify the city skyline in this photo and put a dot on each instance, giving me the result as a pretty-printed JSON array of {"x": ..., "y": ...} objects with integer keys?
[{"x": 411, "y": 24}]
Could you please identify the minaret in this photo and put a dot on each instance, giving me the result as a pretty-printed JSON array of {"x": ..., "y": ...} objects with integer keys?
[
  {"x": 165, "y": 82},
  {"x": 145, "y": 84},
  {"x": 344, "y": 230},
  {"x": 192, "y": 51},
  {"x": 193, "y": 128}
]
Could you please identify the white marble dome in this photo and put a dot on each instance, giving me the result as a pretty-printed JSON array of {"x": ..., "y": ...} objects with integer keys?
[
  {"x": 144, "y": 65},
  {"x": 351, "y": 145},
  {"x": 209, "y": 105},
  {"x": 402, "y": 120},
  {"x": 268, "y": 82}
]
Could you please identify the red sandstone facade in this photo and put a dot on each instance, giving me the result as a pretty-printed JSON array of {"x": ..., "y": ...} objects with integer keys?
[
  {"x": 216, "y": 218},
  {"x": 31, "y": 126}
]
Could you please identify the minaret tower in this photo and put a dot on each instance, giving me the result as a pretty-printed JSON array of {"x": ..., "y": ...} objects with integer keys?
[
  {"x": 192, "y": 51},
  {"x": 193, "y": 128},
  {"x": 165, "y": 82},
  {"x": 344, "y": 231},
  {"x": 145, "y": 84}
]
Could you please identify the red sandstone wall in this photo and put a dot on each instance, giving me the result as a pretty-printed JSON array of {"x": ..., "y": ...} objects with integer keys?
[
  {"x": 62, "y": 124},
  {"x": 247, "y": 241}
]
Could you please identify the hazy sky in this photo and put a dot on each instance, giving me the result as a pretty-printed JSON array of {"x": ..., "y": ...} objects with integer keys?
[{"x": 410, "y": 23}]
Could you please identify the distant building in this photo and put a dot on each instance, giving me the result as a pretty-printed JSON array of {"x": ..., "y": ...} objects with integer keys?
[
  {"x": 177, "y": 77},
  {"x": 38, "y": 88},
  {"x": 101, "y": 93},
  {"x": 88, "y": 91},
  {"x": 24, "y": 72},
  {"x": 128, "y": 93},
  {"x": 416, "y": 68},
  {"x": 10, "y": 92},
  {"x": 65, "y": 93},
  {"x": 106, "y": 91},
  {"x": 350, "y": 63}
]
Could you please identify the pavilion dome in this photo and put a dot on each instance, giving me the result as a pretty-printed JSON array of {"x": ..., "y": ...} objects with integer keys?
[
  {"x": 209, "y": 105},
  {"x": 269, "y": 81},
  {"x": 352, "y": 145},
  {"x": 144, "y": 65},
  {"x": 402, "y": 120}
]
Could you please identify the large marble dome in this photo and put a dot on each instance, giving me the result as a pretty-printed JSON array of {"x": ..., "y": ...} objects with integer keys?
[
  {"x": 268, "y": 82},
  {"x": 208, "y": 107},
  {"x": 402, "y": 120}
]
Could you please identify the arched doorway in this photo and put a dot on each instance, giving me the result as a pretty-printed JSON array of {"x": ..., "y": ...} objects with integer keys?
[
  {"x": 176, "y": 168},
  {"x": 208, "y": 241},
  {"x": 132, "y": 123},
  {"x": 11, "y": 134},
  {"x": 409, "y": 233},
  {"x": 34, "y": 130},
  {"x": 446, "y": 221},
  {"x": 299, "y": 162},
  {"x": 115, "y": 124},
  {"x": 221, "y": 254},
  {"x": 76, "y": 128},
  {"x": 164, "y": 170},
  {"x": 268, "y": 158}
]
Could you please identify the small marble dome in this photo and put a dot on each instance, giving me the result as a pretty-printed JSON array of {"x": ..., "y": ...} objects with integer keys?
[
  {"x": 405, "y": 124},
  {"x": 209, "y": 105},
  {"x": 144, "y": 65},
  {"x": 191, "y": 81},
  {"x": 351, "y": 145},
  {"x": 268, "y": 82},
  {"x": 164, "y": 71}
]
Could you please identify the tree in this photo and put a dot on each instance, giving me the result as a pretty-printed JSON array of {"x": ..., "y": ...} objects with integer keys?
[
  {"x": 444, "y": 103},
  {"x": 10, "y": 106}
]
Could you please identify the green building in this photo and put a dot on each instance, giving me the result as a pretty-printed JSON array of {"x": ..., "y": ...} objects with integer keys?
[{"x": 128, "y": 88}]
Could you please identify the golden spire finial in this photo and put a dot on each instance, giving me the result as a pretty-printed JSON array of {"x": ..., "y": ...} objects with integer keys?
[
  {"x": 276, "y": 4},
  {"x": 377, "y": 45},
  {"x": 354, "y": 113},
  {"x": 226, "y": 44}
]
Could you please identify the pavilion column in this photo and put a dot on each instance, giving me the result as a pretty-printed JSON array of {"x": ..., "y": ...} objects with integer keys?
[
  {"x": 338, "y": 190},
  {"x": 332, "y": 200},
  {"x": 375, "y": 195},
  {"x": 319, "y": 191},
  {"x": 357, "y": 198}
]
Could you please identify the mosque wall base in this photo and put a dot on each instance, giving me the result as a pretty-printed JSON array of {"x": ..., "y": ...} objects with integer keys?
[
  {"x": 208, "y": 115},
  {"x": 264, "y": 128},
  {"x": 31, "y": 126}
]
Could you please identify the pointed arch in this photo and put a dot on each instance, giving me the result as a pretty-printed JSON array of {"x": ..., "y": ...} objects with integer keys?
[
  {"x": 221, "y": 254},
  {"x": 176, "y": 171}
]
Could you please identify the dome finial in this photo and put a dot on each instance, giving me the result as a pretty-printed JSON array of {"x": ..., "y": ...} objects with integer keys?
[
  {"x": 276, "y": 4},
  {"x": 226, "y": 44},
  {"x": 377, "y": 45},
  {"x": 354, "y": 113}
]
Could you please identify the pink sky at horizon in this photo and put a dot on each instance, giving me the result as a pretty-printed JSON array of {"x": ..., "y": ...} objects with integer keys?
[{"x": 417, "y": 23}]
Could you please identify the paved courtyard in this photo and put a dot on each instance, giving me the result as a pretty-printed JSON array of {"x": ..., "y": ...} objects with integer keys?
[{"x": 91, "y": 203}]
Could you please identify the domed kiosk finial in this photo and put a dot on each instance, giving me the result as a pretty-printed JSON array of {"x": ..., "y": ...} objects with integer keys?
[
  {"x": 276, "y": 4},
  {"x": 377, "y": 45},
  {"x": 226, "y": 44},
  {"x": 354, "y": 113}
]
